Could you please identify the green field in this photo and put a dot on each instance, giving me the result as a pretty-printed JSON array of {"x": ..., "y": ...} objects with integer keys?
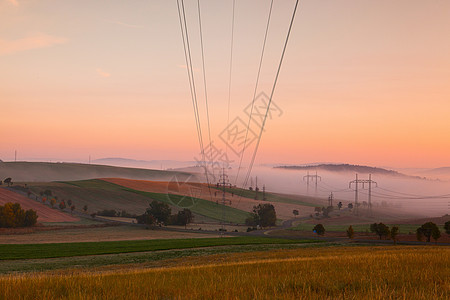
[
  {"x": 39, "y": 251},
  {"x": 99, "y": 195},
  {"x": 272, "y": 197}
]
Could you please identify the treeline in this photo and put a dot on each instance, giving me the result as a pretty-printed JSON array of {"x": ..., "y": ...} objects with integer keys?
[
  {"x": 114, "y": 213},
  {"x": 12, "y": 216}
]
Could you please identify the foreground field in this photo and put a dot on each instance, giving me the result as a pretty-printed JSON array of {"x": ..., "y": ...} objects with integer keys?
[{"x": 310, "y": 273}]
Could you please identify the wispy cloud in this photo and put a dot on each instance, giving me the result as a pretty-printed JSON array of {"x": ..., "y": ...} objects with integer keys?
[
  {"x": 102, "y": 73},
  {"x": 13, "y": 2},
  {"x": 40, "y": 40},
  {"x": 127, "y": 24}
]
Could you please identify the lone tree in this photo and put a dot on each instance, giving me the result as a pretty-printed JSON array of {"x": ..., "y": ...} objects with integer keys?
[
  {"x": 62, "y": 205},
  {"x": 319, "y": 229},
  {"x": 380, "y": 229},
  {"x": 339, "y": 205},
  {"x": 394, "y": 233},
  {"x": 350, "y": 232},
  {"x": 295, "y": 212},
  {"x": 184, "y": 217},
  {"x": 429, "y": 230},
  {"x": 160, "y": 211},
  {"x": 447, "y": 227},
  {"x": 85, "y": 208},
  {"x": 264, "y": 215},
  {"x": 8, "y": 181}
]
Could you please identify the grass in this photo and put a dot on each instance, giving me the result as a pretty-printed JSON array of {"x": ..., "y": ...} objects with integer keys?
[
  {"x": 403, "y": 228},
  {"x": 319, "y": 273},
  {"x": 141, "y": 259},
  {"x": 271, "y": 197},
  {"x": 53, "y": 250}
]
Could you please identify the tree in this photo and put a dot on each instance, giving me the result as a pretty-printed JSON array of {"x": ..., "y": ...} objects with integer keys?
[
  {"x": 394, "y": 233},
  {"x": 295, "y": 212},
  {"x": 264, "y": 215},
  {"x": 380, "y": 229},
  {"x": 350, "y": 232},
  {"x": 69, "y": 202},
  {"x": 47, "y": 193},
  {"x": 145, "y": 218},
  {"x": 53, "y": 202},
  {"x": 184, "y": 217},
  {"x": 350, "y": 206},
  {"x": 160, "y": 211},
  {"x": 326, "y": 211},
  {"x": 12, "y": 215},
  {"x": 8, "y": 181},
  {"x": 72, "y": 208},
  {"x": 339, "y": 205},
  {"x": 319, "y": 229},
  {"x": 317, "y": 210},
  {"x": 447, "y": 227},
  {"x": 62, "y": 205},
  {"x": 429, "y": 230},
  {"x": 85, "y": 208}
]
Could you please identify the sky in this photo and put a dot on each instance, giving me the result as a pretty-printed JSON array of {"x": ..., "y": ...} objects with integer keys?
[{"x": 362, "y": 82}]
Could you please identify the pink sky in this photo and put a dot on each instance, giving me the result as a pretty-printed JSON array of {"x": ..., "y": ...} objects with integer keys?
[{"x": 364, "y": 82}]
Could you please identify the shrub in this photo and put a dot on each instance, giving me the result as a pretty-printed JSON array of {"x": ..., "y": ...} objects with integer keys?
[{"x": 12, "y": 215}]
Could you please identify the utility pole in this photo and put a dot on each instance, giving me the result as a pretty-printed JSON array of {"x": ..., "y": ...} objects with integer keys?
[
  {"x": 313, "y": 178},
  {"x": 256, "y": 189},
  {"x": 264, "y": 192},
  {"x": 15, "y": 155},
  {"x": 363, "y": 182},
  {"x": 224, "y": 182},
  {"x": 330, "y": 200}
]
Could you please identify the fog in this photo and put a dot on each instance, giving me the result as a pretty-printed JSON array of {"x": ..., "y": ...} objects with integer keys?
[{"x": 418, "y": 197}]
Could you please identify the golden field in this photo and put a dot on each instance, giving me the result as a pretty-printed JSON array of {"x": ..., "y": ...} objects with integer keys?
[{"x": 312, "y": 273}]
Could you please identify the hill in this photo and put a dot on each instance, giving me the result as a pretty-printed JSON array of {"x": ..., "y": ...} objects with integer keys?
[
  {"x": 45, "y": 172},
  {"x": 347, "y": 168},
  {"x": 45, "y": 213}
]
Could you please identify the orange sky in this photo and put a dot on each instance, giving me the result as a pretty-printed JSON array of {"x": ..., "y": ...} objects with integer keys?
[{"x": 365, "y": 82}]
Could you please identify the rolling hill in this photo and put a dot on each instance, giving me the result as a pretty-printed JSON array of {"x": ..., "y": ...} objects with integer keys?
[{"x": 46, "y": 172}]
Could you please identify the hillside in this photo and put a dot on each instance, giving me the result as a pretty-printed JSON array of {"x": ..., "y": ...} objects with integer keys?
[
  {"x": 45, "y": 213},
  {"x": 45, "y": 172}
]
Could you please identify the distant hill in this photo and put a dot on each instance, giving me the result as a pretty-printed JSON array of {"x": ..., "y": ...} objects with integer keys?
[
  {"x": 45, "y": 172},
  {"x": 346, "y": 168},
  {"x": 145, "y": 164}
]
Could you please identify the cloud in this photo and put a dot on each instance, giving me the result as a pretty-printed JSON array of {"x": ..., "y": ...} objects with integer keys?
[
  {"x": 102, "y": 73},
  {"x": 13, "y": 2},
  {"x": 39, "y": 40}
]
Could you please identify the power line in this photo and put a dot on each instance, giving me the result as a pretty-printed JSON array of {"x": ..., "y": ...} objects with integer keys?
[
  {"x": 231, "y": 70},
  {"x": 271, "y": 94},
  {"x": 254, "y": 92}
]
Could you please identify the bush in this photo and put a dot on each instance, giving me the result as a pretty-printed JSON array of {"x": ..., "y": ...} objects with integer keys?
[
  {"x": 107, "y": 213},
  {"x": 319, "y": 229},
  {"x": 12, "y": 216}
]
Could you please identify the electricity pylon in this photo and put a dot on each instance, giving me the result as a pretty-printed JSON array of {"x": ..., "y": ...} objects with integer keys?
[
  {"x": 363, "y": 182},
  {"x": 313, "y": 178}
]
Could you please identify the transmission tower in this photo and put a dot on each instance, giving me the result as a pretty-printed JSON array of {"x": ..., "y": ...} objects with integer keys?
[
  {"x": 313, "y": 178},
  {"x": 356, "y": 182},
  {"x": 330, "y": 200},
  {"x": 224, "y": 182}
]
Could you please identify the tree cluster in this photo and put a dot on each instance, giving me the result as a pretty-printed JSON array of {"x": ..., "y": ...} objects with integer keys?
[
  {"x": 263, "y": 215},
  {"x": 161, "y": 213},
  {"x": 428, "y": 230},
  {"x": 12, "y": 215}
]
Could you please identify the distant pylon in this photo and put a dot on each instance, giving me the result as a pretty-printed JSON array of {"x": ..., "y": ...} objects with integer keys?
[
  {"x": 314, "y": 178},
  {"x": 363, "y": 182}
]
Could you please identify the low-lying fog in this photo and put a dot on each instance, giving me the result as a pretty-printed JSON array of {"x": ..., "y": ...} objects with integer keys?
[{"x": 416, "y": 196}]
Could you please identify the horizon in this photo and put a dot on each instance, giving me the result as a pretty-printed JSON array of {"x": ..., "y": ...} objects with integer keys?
[{"x": 376, "y": 94}]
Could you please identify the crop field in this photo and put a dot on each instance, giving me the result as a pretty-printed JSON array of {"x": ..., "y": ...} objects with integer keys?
[
  {"x": 303, "y": 273},
  {"x": 33, "y": 251}
]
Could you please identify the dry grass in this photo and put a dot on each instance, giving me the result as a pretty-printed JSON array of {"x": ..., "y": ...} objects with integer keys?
[{"x": 325, "y": 273}]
